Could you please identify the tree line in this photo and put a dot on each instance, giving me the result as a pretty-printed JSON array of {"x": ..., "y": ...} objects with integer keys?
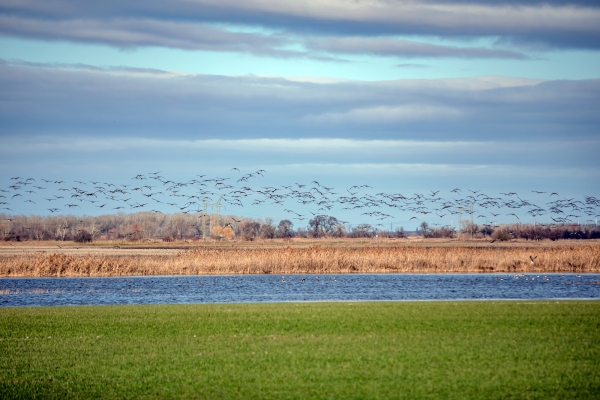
[
  {"x": 180, "y": 227},
  {"x": 512, "y": 231}
]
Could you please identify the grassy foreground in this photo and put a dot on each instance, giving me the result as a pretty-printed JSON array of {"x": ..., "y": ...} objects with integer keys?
[{"x": 300, "y": 350}]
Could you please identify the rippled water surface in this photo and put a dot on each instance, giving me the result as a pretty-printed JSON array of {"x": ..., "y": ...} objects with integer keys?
[{"x": 271, "y": 288}]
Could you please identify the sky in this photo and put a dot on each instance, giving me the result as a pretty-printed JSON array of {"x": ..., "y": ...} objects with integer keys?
[{"x": 404, "y": 96}]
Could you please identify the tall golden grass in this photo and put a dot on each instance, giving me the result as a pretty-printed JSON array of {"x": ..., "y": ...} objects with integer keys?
[{"x": 317, "y": 260}]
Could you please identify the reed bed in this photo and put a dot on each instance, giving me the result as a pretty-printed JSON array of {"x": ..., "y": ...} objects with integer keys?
[{"x": 313, "y": 260}]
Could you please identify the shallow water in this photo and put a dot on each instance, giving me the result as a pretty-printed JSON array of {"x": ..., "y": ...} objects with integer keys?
[{"x": 271, "y": 288}]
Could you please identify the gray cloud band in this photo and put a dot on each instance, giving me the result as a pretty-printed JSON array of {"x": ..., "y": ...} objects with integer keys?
[
  {"x": 183, "y": 24},
  {"x": 74, "y": 99},
  {"x": 407, "y": 49},
  {"x": 136, "y": 33}
]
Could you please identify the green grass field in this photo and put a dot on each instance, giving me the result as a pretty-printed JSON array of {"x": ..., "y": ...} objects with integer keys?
[{"x": 478, "y": 350}]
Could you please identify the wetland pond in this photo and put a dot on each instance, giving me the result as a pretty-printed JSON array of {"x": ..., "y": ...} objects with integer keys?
[{"x": 17, "y": 292}]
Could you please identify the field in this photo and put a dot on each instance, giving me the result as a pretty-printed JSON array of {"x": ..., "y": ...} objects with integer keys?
[
  {"x": 300, "y": 257},
  {"x": 303, "y": 350}
]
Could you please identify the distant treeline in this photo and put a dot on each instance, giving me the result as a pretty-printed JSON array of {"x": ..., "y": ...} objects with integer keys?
[
  {"x": 514, "y": 231},
  {"x": 175, "y": 227}
]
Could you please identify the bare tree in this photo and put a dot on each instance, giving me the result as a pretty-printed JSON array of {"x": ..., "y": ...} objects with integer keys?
[
  {"x": 250, "y": 230},
  {"x": 424, "y": 228},
  {"x": 323, "y": 225},
  {"x": 285, "y": 229},
  {"x": 267, "y": 231},
  {"x": 61, "y": 229},
  {"x": 400, "y": 232},
  {"x": 362, "y": 231}
]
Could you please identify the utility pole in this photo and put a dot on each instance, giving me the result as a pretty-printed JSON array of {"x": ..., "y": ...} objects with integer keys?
[
  {"x": 218, "y": 205},
  {"x": 204, "y": 215},
  {"x": 459, "y": 212},
  {"x": 472, "y": 222}
]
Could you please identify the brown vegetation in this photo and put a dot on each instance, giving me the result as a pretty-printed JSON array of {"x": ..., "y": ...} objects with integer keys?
[{"x": 321, "y": 260}]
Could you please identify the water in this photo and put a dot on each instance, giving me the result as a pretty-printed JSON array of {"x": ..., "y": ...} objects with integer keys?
[{"x": 270, "y": 288}]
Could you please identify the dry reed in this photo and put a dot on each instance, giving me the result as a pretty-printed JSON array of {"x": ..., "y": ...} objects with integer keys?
[{"x": 318, "y": 260}]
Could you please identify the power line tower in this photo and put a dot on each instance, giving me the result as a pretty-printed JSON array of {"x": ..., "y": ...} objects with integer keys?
[
  {"x": 472, "y": 211},
  {"x": 459, "y": 209},
  {"x": 205, "y": 206},
  {"x": 218, "y": 206},
  {"x": 206, "y": 218}
]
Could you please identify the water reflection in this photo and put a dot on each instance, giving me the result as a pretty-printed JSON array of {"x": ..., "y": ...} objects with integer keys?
[{"x": 275, "y": 288}]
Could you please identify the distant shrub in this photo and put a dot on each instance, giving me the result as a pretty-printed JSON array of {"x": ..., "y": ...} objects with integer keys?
[
  {"x": 443, "y": 232},
  {"x": 250, "y": 230},
  {"x": 228, "y": 233},
  {"x": 267, "y": 231},
  {"x": 501, "y": 235},
  {"x": 83, "y": 236}
]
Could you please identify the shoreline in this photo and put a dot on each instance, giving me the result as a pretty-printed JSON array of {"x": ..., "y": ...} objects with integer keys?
[
  {"x": 298, "y": 274},
  {"x": 315, "y": 302}
]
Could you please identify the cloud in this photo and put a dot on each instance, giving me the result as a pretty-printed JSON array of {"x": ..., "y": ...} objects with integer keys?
[
  {"x": 130, "y": 34},
  {"x": 553, "y": 154},
  {"x": 302, "y": 147},
  {"x": 118, "y": 102},
  {"x": 86, "y": 67},
  {"x": 199, "y": 24},
  {"x": 407, "y": 49},
  {"x": 385, "y": 114}
]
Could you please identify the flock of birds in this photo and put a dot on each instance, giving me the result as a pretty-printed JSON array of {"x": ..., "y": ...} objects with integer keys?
[{"x": 156, "y": 193}]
